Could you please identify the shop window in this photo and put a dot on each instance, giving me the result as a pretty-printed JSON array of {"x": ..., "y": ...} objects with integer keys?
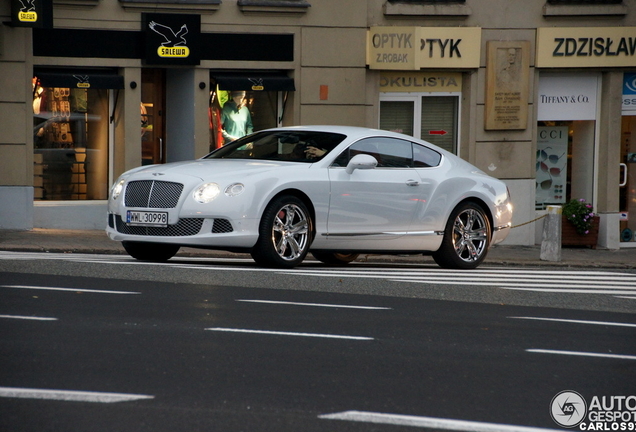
[
  {"x": 560, "y": 8},
  {"x": 431, "y": 118},
  {"x": 233, "y": 114},
  {"x": 70, "y": 139},
  {"x": 564, "y": 162},
  {"x": 565, "y": 158},
  {"x": 427, "y": 1},
  {"x": 172, "y": 5},
  {"x": 456, "y": 8},
  {"x": 243, "y": 102},
  {"x": 274, "y": 6},
  {"x": 627, "y": 185}
]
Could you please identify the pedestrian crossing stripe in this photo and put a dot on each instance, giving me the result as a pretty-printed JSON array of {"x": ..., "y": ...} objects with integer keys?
[{"x": 622, "y": 285}]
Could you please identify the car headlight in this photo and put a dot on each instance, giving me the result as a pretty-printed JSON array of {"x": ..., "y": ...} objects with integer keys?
[
  {"x": 117, "y": 189},
  {"x": 234, "y": 189},
  {"x": 206, "y": 193}
]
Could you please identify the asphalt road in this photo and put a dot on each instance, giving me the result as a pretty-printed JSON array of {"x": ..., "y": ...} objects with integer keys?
[{"x": 225, "y": 346}]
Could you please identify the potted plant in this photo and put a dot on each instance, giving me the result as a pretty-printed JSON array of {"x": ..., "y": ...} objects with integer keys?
[{"x": 580, "y": 224}]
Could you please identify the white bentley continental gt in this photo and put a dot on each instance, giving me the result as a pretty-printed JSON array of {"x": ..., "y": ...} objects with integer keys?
[{"x": 333, "y": 191}]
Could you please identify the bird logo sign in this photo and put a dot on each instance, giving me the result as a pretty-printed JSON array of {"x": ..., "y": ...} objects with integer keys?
[
  {"x": 82, "y": 81},
  {"x": 27, "y": 12},
  {"x": 175, "y": 44},
  {"x": 257, "y": 83}
]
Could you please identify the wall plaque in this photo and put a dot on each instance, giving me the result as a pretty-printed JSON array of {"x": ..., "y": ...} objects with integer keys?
[{"x": 507, "y": 82}]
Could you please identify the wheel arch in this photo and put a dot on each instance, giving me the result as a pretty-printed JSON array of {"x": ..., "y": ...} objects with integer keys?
[
  {"x": 477, "y": 200},
  {"x": 301, "y": 196}
]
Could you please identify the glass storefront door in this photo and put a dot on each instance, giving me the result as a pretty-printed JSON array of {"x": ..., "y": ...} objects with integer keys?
[
  {"x": 153, "y": 118},
  {"x": 628, "y": 180}
]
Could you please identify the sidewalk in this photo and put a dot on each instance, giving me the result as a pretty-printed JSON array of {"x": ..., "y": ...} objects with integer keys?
[{"x": 96, "y": 242}]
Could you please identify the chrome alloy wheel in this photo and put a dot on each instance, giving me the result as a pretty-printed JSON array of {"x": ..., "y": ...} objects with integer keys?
[
  {"x": 470, "y": 235},
  {"x": 290, "y": 232}
]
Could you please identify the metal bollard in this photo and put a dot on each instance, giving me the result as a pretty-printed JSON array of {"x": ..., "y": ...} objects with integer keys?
[{"x": 551, "y": 240}]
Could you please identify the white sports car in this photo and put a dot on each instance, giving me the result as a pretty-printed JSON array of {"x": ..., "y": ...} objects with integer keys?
[{"x": 335, "y": 191}]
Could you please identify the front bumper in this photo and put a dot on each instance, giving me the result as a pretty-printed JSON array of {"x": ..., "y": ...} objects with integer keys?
[{"x": 196, "y": 232}]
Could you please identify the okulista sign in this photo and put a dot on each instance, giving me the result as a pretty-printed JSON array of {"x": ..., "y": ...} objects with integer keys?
[
  {"x": 586, "y": 47},
  {"x": 420, "y": 82}
]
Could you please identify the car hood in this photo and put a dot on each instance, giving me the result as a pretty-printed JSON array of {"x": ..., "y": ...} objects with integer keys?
[{"x": 208, "y": 169}]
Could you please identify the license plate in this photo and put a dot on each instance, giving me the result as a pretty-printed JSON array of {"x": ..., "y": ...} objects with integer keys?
[{"x": 144, "y": 218}]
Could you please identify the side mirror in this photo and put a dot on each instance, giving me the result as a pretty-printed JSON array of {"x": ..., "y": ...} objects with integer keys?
[{"x": 361, "y": 161}]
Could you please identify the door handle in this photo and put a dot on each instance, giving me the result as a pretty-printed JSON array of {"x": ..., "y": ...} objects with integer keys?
[
  {"x": 412, "y": 183},
  {"x": 624, "y": 169}
]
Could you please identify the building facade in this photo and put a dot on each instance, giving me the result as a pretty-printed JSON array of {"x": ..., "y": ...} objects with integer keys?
[{"x": 540, "y": 94}]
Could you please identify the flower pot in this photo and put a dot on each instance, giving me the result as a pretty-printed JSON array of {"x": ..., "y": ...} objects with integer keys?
[{"x": 569, "y": 236}]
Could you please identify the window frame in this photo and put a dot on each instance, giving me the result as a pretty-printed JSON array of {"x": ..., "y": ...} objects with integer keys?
[
  {"x": 417, "y": 112},
  {"x": 412, "y": 145}
]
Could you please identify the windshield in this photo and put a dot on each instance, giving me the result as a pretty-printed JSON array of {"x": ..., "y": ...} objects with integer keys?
[{"x": 280, "y": 145}]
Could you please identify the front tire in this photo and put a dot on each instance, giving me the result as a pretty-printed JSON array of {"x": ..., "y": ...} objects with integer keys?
[
  {"x": 285, "y": 233},
  {"x": 466, "y": 238},
  {"x": 155, "y": 252},
  {"x": 335, "y": 258}
]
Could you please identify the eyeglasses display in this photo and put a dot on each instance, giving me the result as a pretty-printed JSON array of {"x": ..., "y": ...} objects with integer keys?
[{"x": 551, "y": 165}]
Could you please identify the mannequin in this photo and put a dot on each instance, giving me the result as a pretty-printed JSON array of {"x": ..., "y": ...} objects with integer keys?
[{"x": 236, "y": 117}]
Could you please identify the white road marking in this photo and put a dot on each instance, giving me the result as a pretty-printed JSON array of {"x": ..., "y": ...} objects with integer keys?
[
  {"x": 28, "y": 318},
  {"x": 586, "y": 290},
  {"x": 313, "y": 304},
  {"x": 617, "y": 284},
  {"x": 281, "y": 333},
  {"x": 70, "y": 395},
  {"x": 82, "y": 290},
  {"x": 428, "y": 422},
  {"x": 583, "y": 354},
  {"x": 605, "y": 323}
]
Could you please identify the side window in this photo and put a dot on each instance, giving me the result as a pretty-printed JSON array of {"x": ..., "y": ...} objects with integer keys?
[
  {"x": 389, "y": 152},
  {"x": 424, "y": 157}
]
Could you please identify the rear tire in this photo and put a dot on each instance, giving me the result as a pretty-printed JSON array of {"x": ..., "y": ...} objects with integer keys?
[
  {"x": 285, "y": 233},
  {"x": 466, "y": 238},
  {"x": 155, "y": 252},
  {"x": 335, "y": 258}
]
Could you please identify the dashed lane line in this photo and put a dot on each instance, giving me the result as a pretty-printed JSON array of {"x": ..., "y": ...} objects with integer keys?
[
  {"x": 34, "y": 318},
  {"x": 339, "y": 306},
  {"x": 76, "y": 290},
  {"x": 283, "y": 333},
  {"x": 428, "y": 422},
  {"x": 70, "y": 395},
  {"x": 582, "y": 354}
]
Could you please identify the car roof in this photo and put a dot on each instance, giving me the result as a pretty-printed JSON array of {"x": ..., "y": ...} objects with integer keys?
[{"x": 352, "y": 131}]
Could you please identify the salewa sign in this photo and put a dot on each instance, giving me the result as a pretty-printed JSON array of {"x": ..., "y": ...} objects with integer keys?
[
  {"x": 172, "y": 39},
  {"x": 414, "y": 48},
  {"x": 586, "y": 47},
  {"x": 27, "y": 12},
  {"x": 32, "y": 13}
]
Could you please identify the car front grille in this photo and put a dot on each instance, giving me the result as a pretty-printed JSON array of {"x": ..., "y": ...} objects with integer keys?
[
  {"x": 152, "y": 194},
  {"x": 185, "y": 227}
]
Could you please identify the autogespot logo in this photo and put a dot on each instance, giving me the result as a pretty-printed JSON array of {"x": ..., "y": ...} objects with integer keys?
[{"x": 568, "y": 409}]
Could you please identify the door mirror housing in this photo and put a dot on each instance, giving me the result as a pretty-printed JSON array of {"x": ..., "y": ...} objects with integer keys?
[{"x": 361, "y": 161}]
